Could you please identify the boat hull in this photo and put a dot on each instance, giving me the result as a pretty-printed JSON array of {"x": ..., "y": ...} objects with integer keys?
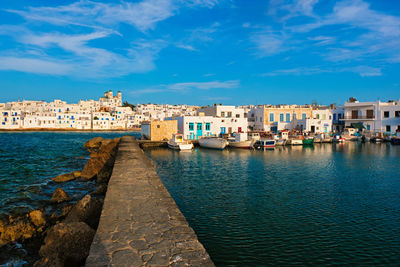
[
  {"x": 214, "y": 143},
  {"x": 241, "y": 144},
  {"x": 178, "y": 146},
  {"x": 308, "y": 142},
  {"x": 296, "y": 142}
]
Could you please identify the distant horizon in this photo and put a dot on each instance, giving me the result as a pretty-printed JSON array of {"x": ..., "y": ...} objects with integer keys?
[{"x": 201, "y": 52}]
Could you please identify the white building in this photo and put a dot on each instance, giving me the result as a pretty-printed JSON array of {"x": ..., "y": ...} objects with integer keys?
[
  {"x": 321, "y": 121},
  {"x": 233, "y": 119},
  {"x": 381, "y": 117}
]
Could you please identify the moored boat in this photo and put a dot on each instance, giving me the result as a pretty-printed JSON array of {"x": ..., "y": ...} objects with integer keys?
[
  {"x": 264, "y": 143},
  {"x": 295, "y": 142},
  {"x": 280, "y": 142},
  {"x": 395, "y": 140},
  {"x": 241, "y": 141},
  {"x": 338, "y": 139},
  {"x": 213, "y": 142},
  {"x": 308, "y": 141},
  {"x": 177, "y": 143}
]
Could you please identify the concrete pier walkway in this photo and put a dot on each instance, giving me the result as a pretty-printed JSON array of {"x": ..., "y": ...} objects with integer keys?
[{"x": 140, "y": 224}]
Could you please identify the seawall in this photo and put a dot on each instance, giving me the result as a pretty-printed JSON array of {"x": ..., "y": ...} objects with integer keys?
[{"x": 140, "y": 224}]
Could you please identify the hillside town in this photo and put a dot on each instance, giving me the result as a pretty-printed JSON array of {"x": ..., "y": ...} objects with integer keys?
[{"x": 109, "y": 112}]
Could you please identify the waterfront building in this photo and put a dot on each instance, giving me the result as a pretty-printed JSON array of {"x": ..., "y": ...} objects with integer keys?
[
  {"x": 376, "y": 117},
  {"x": 319, "y": 122},
  {"x": 233, "y": 119},
  {"x": 277, "y": 117},
  {"x": 159, "y": 130}
]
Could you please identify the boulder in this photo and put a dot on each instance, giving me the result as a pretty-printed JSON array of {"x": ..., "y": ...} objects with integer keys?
[
  {"x": 86, "y": 210},
  {"x": 38, "y": 218},
  {"x": 67, "y": 177},
  {"x": 94, "y": 143},
  {"x": 16, "y": 230},
  {"x": 66, "y": 244},
  {"x": 59, "y": 196},
  {"x": 100, "y": 163}
]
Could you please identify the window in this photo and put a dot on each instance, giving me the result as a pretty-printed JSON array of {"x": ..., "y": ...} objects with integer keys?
[
  {"x": 191, "y": 126},
  {"x": 317, "y": 117},
  {"x": 386, "y": 114},
  {"x": 287, "y": 117},
  {"x": 271, "y": 117},
  {"x": 368, "y": 127},
  {"x": 281, "y": 118},
  {"x": 294, "y": 116},
  {"x": 324, "y": 116},
  {"x": 222, "y": 114},
  {"x": 387, "y": 128},
  {"x": 397, "y": 113},
  {"x": 229, "y": 114},
  {"x": 237, "y": 115},
  {"x": 208, "y": 126},
  {"x": 304, "y": 116},
  {"x": 199, "y": 126},
  {"x": 260, "y": 119}
]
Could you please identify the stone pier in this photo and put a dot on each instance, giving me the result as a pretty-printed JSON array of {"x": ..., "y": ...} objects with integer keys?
[{"x": 140, "y": 224}]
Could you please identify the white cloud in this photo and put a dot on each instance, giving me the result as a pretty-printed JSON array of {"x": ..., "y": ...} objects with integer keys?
[
  {"x": 33, "y": 65},
  {"x": 269, "y": 44},
  {"x": 363, "y": 71},
  {"x": 142, "y": 15},
  {"x": 185, "y": 87}
]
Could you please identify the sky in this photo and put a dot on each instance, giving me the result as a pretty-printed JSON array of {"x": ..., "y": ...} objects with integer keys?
[{"x": 201, "y": 52}]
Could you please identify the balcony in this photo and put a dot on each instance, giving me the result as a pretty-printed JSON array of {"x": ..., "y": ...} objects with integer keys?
[{"x": 358, "y": 118}]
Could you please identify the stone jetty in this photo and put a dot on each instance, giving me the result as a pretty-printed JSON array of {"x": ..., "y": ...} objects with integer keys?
[{"x": 140, "y": 224}]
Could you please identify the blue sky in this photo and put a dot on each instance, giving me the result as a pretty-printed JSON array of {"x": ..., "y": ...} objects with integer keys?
[{"x": 201, "y": 51}]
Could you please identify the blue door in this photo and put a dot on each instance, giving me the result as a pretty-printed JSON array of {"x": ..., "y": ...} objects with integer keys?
[
  {"x": 223, "y": 130},
  {"x": 199, "y": 129}
]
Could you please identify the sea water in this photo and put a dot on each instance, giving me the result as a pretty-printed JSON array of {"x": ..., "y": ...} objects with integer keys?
[{"x": 330, "y": 204}]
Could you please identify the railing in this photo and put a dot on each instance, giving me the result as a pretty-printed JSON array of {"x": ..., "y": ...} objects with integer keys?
[{"x": 358, "y": 118}]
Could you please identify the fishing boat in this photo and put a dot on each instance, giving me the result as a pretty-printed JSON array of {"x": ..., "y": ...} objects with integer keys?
[
  {"x": 295, "y": 142},
  {"x": 376, "y": 139},
  {"x": 280, "y": 142},
  {"x": 308, "y": 141},
  {"x": 213, "y": 142},
  {"x": 177, "y": 143},
  {"x": 338, "y": 139},
  {"x": 395, "y": 140},
  {"x": 241, "y": 140},
  {"x": 264, "y": 143}
]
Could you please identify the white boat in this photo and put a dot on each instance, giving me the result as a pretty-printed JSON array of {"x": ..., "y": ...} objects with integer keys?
[
  {"x": 177, "y": 143},
  {"x": 265, "y": 143},
  {"x": 241, "y": 140},
  {"x": 280, "y": 142},
  {"x": 213, "y": 142},
  {"x": 296, "y": 142}
]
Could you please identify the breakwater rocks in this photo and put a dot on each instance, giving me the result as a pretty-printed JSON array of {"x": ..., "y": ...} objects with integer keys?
[{"x": 60, "y": 233}]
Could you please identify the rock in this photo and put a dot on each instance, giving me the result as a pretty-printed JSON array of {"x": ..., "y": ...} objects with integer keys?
[
  {"x": 94, "y": 143},
  {"x": 66, "y": 244},
  {"x": 17, "y": 230},
  {"x": 77, "y": 174},
  {"x": 38, "y": 218},
  {"x": 94, "y": 165},
  {"x": 59, "y": 196},
  {"x": 101, "y": 189},
  {"x": 64, "y": 177},
  {"x": 86, "y": 210}
]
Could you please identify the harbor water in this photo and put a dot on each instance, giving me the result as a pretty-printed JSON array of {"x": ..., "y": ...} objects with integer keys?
[{"x": 330, "y": 204}]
